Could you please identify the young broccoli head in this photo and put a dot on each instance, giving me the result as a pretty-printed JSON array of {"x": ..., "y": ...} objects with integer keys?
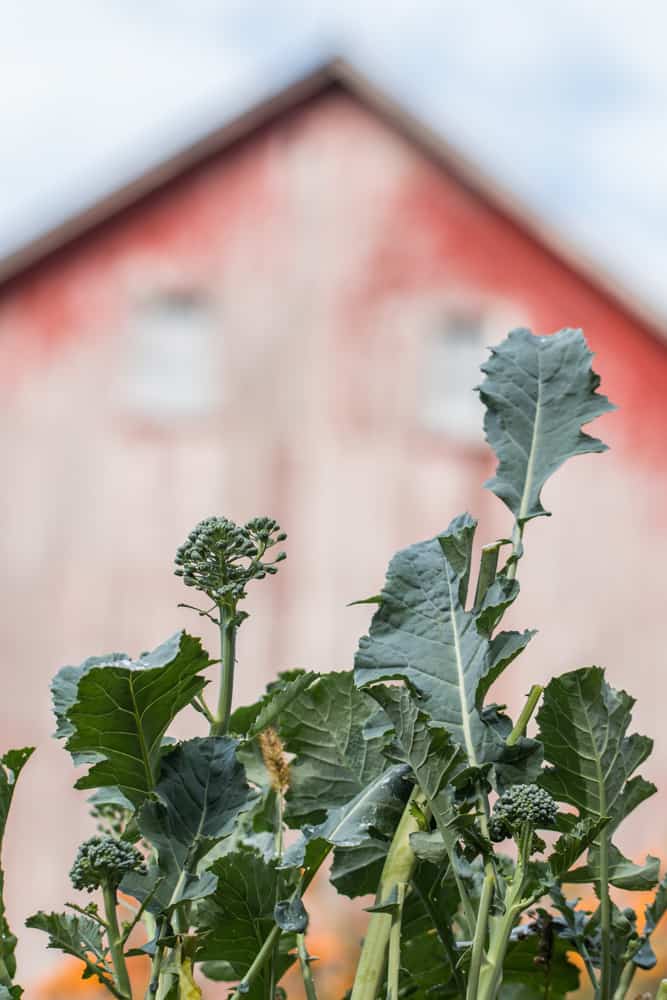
[
  {"x": 220, "y": 557},
  {"x": 101, "y": 862},
  {"x": 518, "y": 805}
]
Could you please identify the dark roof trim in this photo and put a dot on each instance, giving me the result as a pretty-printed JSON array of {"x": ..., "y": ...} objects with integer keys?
[{"x": 336, "y": 72}]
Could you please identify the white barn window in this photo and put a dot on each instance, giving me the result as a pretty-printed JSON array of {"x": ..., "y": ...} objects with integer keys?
[
  {"x": 452, "y": 356},
  {"x": 171, "y": 366}
]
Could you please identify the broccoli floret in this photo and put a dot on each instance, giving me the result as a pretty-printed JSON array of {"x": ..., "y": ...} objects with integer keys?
[
  {"x": 521, "y": 804},
  {"x": 101, "y": 862},
  {"x": 220, "y": 557}
]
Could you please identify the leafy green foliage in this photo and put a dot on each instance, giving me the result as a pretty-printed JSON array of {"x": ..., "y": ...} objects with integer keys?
[
  {"x": 201, "y": 792},
  {"x": 238, "y": 917},
  {"x": 538, "y": 392},
  {"x": 422, "y": 634},
  {"x": 583, "y": 725},
  {"x": 79, "y": 936},
  {"x": 252, "y": 719},
  {"x": 11, "y": 765},
  {"x": 122, "y": 711}
]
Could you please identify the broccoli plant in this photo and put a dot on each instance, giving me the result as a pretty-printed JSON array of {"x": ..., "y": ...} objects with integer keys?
[{"x": 470, "y": 836}]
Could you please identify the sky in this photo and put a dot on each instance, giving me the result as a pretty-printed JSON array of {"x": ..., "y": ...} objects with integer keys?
[{"x": 563, "y": 103}]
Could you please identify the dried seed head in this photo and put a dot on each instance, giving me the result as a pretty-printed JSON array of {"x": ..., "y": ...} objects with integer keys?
[{"x": 275, "y": 762}]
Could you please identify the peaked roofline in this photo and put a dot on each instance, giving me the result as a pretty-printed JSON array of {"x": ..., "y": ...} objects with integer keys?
[{"x": 336, "y": 72}]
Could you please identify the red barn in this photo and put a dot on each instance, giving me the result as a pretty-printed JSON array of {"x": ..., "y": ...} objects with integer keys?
[{"x": 287, "y": 318}]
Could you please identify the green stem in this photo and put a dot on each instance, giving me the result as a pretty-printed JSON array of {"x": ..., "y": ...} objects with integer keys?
[
  {"x": 261, "y": 958},
  {"x": 519, "y": 730},
  {"x": 278, "y": 847},
  {"x": 115, "y": 942},
  {"x": 604, "y": 990},
  {"x": 662, "y": 991},
  {"x": 491, "y": 974},
  {"x": 398, "y": 868},
  {"x": 156, "y": 963},
  {"x": 479, "y": 940},
  {"x": 517, "y": 536},
  {"x": 304, "y": 963},
  {"x": 624, "y": 983},
  {"x": 394, "y": 956},
  {"x": 220, "y": 726}
]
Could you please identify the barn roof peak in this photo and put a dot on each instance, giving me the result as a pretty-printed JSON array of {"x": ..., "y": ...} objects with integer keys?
[{"x": 335, "y": 72}]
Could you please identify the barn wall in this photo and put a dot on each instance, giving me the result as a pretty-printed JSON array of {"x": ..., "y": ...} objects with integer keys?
[{"x": 327, "y": 244}]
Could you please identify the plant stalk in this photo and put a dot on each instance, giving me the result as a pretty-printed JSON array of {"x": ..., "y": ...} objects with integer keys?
[
  {"x": 261, "y": 958},
  {"x": 604, "y": 989},
  {"x": 394, "y": 957},
  {"x": 304, "y": 963},
  {"x": 519, "y": 730},
  {"x": 624, "y": 983},
  {"x": 398, "y": 868},
  {"x": 479, "y": 940},
  {"x": 115, "y": 943},
  {"x": 220, "y": 726},
  {"x": 662, "y": 991},
  {"x": 491, "y": 973}
]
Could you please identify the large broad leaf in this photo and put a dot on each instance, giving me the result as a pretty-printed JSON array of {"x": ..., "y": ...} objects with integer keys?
[
  {"x": 323, "y": 726},
  {"x": 621, "y": 872},
  {"x": 11, "y": 764},
  {"x": 78, "y": 936},
  {"x": 422, "y": 633},
  {"x": 122, "y": 711},
  {"x": 583, "y": 724},
  {"x": 538, "y": 393},
  {"x": 238, "y": 918},
  {"x": 201, "y": 792}
]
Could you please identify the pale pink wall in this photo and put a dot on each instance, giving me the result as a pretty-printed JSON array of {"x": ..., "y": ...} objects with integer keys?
[{"x": 325, "y": 242}]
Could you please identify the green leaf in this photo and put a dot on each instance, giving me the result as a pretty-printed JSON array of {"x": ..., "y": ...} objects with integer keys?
[
  {"x": 122, "y": 712},
  {"x": 422, "y": 634},
  {"x": 252, "y": 719},
  {"x": 202, "y": 790},
  {"x": 11, "y": 993},
  {"x": 11, "y": 765},
  {"x": 239, "y": 916},
  {"x": 538, "y": 393},
  {"x": 624, "y": 874},
  {"x": 583, "y": 724},
  {"x": 78, "y": 936},
  {"x": 434, "y": 758},
  {"x": 323, "y": 725},
  {"x": 572, "y": 845},
  {"x": 529, "y": 974}
]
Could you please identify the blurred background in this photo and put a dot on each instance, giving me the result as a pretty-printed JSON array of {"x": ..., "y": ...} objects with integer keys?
[{"x": 240, "y": 274}]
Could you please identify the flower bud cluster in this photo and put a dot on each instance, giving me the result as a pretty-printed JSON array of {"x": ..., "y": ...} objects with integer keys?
[
  {"x": 101, "y": 862},
  {"x": 518, "y": 805},
  {"x": 220, "y": 557}
]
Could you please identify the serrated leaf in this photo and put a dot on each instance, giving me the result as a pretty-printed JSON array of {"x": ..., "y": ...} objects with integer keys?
[
  {"x": 122, "y": 711},
  {"x": 324, "y": 727},
  {"x": 239, "y": 916},
  {"x": 583, "y": 724},
  {"x": 431, "y": 753},
  {"x": 78, "y": 936},
  {"x": 201, "y": 792},
  {"x": 571, "y": 845},
  {"x": 252, "y": 719},
  {"x": 422, "y": 634},
  {"x": 622, "y": 872},
  {"x": 11, "y": 765},
  {"x": 538, "y": 393}
]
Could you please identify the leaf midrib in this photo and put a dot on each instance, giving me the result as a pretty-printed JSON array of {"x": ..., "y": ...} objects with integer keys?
[
  {"x": 530, "y": 464},
  {"x": 465, "y": 715}
]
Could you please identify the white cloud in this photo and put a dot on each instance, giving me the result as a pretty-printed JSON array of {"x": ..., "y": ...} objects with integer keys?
[{"x": 564, "y": 102}]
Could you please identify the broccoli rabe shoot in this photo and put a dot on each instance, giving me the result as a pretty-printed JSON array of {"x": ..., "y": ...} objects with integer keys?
[
  {"x": 520, "y": 805},
  {"x": 102, "y": 862},
  {"x": 220, "y": 557}
]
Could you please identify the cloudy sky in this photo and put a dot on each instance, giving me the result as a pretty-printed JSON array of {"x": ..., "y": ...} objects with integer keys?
[{"x": 565, "y": 103}]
